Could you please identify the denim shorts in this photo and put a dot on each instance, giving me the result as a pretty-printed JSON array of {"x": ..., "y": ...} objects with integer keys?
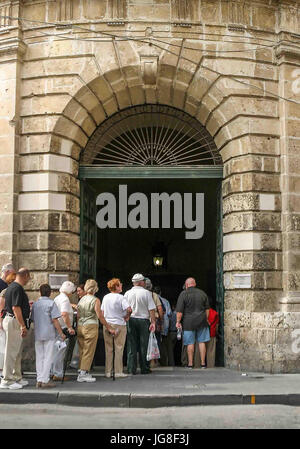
[{"x": 199, "y": 335}]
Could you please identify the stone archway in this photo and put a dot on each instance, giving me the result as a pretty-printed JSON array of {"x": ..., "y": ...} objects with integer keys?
[{"x": 244, "y": 124}]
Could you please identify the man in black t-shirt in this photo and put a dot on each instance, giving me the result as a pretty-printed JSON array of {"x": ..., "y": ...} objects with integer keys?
[
  {"x": 17, "y": 311},
  {"x": 192, "y": 314}
]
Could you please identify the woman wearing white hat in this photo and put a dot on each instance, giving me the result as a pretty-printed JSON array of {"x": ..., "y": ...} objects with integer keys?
[{"x": 66, "y": 321}]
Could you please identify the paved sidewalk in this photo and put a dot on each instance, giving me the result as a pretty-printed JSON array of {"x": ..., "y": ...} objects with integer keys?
[{"x": 165, "y": 387}]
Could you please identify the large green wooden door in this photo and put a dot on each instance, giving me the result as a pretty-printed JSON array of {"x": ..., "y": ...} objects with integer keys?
[
  {"x": 88, "y": 232},
  {"x": 88, "y": 245}
]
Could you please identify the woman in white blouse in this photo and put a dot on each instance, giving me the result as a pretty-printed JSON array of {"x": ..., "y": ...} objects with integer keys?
[{"x": 116, "y": 311}]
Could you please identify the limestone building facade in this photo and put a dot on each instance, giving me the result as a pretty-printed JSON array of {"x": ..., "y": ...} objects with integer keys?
[{"x": 233, "y": 65}]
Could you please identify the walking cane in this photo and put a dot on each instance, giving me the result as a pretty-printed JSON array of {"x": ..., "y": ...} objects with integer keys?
[
  {"x": 113, "y": 365},
  {"x": 71, "y": 340}
]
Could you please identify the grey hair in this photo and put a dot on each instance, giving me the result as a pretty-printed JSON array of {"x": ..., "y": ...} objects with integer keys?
[
  {"x": 148, "y": 284},
  {"x": 7, "y": 267}
]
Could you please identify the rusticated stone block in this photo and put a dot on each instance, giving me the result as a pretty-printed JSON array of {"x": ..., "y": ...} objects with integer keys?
[
  {"x": 232, "y": 184},
  {"x": 39, "y": 221},
  {"x": 291, "y": 222},
  {"x": 67, "y": 183},
  {"x": 233, "y": 261},
  {"x": 283, "y": 337},
  {"x": 237, "y": 222},
  {"x": 264, "y": 261},
  {"x": 248, "y": 337},
  {"x": 266, "y": 221},
  {"x": 241, "y": 202},
  {"x": 267, "y": 320},
  {"x": 252, "y": 221},
  {"x": 63, "y": 241},
  {"x": 73, "y": 204},
  {"x": 260, "y": 182},
  {"x": 67, "y": 262},
  {"x": 33, "y": 241},
  {"x": 36, "y": 260},
  {"x": 266, "y": 337},
  {"x": 243, "y": 164},
  {"x": 37, "y": 279},
  {"x": 264, "y": 301},
  {"x": 271, "y": 241},
  {"x": 54, "y": 221},
  {"x": 273, "y": 280},
  {"x": 235, "y": 300},
  {"x": 250, "y": 261},
  {"x": 237, "y": 319},
  {"x": 293, "y": 280}
]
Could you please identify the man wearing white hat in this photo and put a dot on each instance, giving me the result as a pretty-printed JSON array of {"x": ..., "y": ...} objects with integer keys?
[
  {"x": 66, "y": 321},
  {"x": 143, "y": 309}
]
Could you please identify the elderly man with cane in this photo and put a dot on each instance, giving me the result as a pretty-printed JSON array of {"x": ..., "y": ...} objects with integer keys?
[{"x": 66, "y": 322}]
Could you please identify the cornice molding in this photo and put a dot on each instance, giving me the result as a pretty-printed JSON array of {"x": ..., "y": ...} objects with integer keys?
[
  {"x": 13, "y": 46},
  {"x": 287, "y": 51}
]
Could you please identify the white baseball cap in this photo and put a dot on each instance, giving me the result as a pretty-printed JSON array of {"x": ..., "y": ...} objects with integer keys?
[{"x": 138, "y": 277}]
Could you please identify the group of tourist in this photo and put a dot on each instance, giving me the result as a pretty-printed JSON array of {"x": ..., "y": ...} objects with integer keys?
[{"x": 129, "y": 317}]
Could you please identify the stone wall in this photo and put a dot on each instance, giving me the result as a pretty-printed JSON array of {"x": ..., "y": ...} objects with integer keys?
[{"x": 227, "y": 63}]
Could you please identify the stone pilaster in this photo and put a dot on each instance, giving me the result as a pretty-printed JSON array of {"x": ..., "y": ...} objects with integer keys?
[
  {"x": 288, "y": 56},
  {"x": 12, "y": 50}
]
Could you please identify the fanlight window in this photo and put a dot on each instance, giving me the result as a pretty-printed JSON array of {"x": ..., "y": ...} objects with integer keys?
[{"x": 151, "y": 135}]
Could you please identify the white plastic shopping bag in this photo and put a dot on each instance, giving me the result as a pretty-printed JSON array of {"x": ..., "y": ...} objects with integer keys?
[
  {"x": 153, "y": 350},
  {"x": 75, "y": 357},
  {"x": 2, "y": 347},
  {"x": 60, "y": 345}
]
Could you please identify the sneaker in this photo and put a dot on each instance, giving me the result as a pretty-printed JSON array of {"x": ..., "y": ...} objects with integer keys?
[
  {"x": 15, "y": 386},
  {"x": 190, "y": 367},
  {"x": 108, "y": 375},
  {"x": 23, "y": 382},
  {"x": 85, "y": 378},
  {"x": 203, "y": 366},
  {"x": 120, "y": 375}
]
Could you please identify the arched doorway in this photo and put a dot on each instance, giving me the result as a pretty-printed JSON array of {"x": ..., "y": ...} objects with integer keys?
[{"x": 153, "y": 149}]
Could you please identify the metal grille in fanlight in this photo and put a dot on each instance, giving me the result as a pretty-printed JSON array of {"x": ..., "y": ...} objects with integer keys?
[{"x": 151, "y": 135}]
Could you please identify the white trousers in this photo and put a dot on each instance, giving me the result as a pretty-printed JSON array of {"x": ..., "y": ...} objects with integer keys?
[
  {"x": 57, "y": 368},
  {"x": 44, "y": 358}
]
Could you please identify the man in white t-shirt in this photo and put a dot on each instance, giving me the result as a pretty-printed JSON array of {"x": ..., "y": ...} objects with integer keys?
[
  {"x": 66, "y": 321},
  {"x": 143, "y": 308}
]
